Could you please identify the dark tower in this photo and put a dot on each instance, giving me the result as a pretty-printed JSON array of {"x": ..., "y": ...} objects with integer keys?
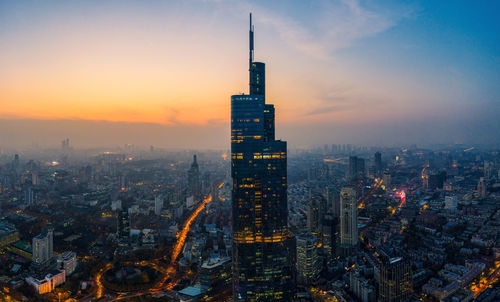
[
  {"x": 194, "y": 185},
  {"x": 378, "y": 164},
  {"x": 262, "y": 246}
]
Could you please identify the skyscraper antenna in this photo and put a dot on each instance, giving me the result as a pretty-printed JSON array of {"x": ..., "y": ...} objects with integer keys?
[{"x": 251, "y": 42}]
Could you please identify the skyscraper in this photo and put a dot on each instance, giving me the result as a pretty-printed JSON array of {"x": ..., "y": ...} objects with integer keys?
[
  {"x": 395, "y": 282},
  {"x": 308, "y": 265},
  {"x": 262, "y": 246},
  {"x": 348, "y": 219}
]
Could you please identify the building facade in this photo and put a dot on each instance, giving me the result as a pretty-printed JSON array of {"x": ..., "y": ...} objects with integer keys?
[
  {"x": 395, "y": 281},
  {"x": 42, "y": 247},
  {"x": 308, "y": 265},
  {"x": 263, "y": 268},
  {"x": 348, "y": 219}
]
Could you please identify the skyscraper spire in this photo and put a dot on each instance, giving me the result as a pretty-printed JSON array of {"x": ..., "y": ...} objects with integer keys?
[{"x": 251, "y": 42}]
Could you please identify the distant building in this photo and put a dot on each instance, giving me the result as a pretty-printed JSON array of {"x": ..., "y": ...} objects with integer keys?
[
  {"x": 436, "y": 180},
  {"x": 158, "y": 205},
  {"x": 29, "y": 197},
  {"x": 313, "y": 215},
  {"x": 356, "y": 168},
  {"x": 386, "y": 179},
  {"x": 450, "y": 202},
  {"x": 481, "y": 187},
  {"x": 333, "y": 200},
  {"x": 348, "y": 219},
  {"x": 42, "y": 247},
  {"x": 67, "y": 262},
  {"x": 329, "y": 235},
  {"x": 395, "y": 281},
  {"x": 194, "y": 184},
  {"x": 308, "y": 266},
  {"x": 378, "y": 164},
  {"x": 116, "y": 205},
  {"x": 123, "y": 225}
]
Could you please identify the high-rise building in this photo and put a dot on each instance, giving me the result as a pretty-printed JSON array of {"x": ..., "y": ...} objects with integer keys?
[
  {"x": 194, "y": 185},
  {"x": 378, "y": 164},
  {"x": 348, "y": 219},
  {"x": 329, "y": 235},
  {"x": 123, "y": 225},
  {"x": 386, "y": 179},
  {"x": 307, "y": 259},
  {"x": 42, "y": 246},
  {"x": 263, "y": 268},
  {"x": 29, "y": 197},
  {"x": 481, "y": 187},
  {"x": 356, "y": 168},
  {"x": 158, "y": 204},
  {"x": 395, "y": 281},
  {"x": 313, "y": 215}
]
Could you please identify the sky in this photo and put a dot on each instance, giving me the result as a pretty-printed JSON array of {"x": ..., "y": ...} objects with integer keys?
[{"x": 106, "y": 73}]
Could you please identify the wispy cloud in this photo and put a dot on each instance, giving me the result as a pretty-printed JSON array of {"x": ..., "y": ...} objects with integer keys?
[{"x": 339, "y": 24}]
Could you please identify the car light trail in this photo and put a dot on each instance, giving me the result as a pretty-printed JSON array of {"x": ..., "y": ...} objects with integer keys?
[{"x": 181, "y": 236}]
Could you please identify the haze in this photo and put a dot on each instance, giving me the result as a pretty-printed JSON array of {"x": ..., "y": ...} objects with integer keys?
[{"x": 106, "y": 73}]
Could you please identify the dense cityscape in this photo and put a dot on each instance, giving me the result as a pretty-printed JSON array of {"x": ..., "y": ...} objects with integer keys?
[{"x": 259, "y": 221}]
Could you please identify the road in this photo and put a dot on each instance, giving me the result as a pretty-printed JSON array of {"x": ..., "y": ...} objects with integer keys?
[
  {"x": 487, "y": 280},
  {"x": 169, "y": 273}
]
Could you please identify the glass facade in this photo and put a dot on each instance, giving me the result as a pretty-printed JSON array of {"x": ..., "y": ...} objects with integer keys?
[{"x": 263, "y": 268}]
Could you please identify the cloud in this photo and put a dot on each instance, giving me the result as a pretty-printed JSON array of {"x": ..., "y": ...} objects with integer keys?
[{"x": 338, "y": 23}]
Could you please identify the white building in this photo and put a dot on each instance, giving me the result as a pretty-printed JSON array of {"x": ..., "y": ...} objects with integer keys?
[
  {"x": 48, "y": 283},
  {"x": 67, "y": 262},
  {"x": 158, "y": 205}
]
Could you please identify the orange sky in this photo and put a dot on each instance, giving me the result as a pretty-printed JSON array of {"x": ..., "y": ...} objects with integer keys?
[{"x": 330, "y": 64}]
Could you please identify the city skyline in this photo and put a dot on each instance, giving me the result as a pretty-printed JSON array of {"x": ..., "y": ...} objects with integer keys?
[
  {"x": 361, "y": 165},
  {"x": 363, "y": 73}
]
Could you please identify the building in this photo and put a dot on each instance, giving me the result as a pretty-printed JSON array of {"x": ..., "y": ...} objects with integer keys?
[
  {"x": 116, "y": 205},
  {"x": 42, "y": 247},
  {"x": 47, "y": 283},
  {"x": 215, "y": 273},
  {"x": 29, "y": 197},
  {"x": 263, "y": 265},
  {"x": 123, "y": 224},
  {"x": 313, "y": 215},
  {"x": 8, "y": 234},
  {"x": 67, "y": 262},
  {"x": 378, "y": 164},
  {"x": 348, "y": 220},
  {"x": 481, "y": 187},
  {"x": 194, "y": 184},
  {"x": 158, "y": 205},
  {"x": 356, "y": 168},
  {"x": 395, "y": 281},
  {"x": 329, "y": 236},
  {"x": 386, "y": 179},
  {"x": 308, "y": 266},
  {"x": 450, "y": 202}
]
